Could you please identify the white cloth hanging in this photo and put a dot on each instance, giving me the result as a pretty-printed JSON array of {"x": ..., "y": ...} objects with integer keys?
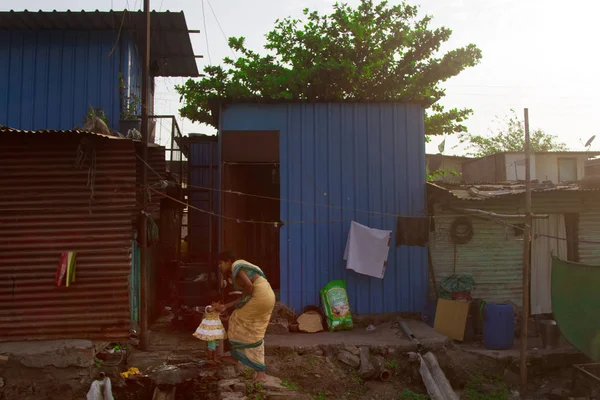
[
  {"x": 100, "y": 390},
  {"x": 367, "y": 250},
  {"x": 542, "y": 248}
]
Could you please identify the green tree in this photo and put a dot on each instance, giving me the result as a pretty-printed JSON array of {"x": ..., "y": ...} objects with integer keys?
[
  {"x": 510, "y": 137},
  {"x": 374, "y": 52}
]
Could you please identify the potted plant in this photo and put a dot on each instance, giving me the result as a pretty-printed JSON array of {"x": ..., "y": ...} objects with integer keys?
[{"x": 130, "y": 118}]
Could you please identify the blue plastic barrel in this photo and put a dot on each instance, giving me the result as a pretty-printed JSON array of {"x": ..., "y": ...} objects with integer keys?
[{"x": 498, "y": 326}]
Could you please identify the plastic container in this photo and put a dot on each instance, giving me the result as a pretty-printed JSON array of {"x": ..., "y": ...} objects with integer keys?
[
  {"x": 498, "y": 326},
  {"x": 550, "y": 334}
]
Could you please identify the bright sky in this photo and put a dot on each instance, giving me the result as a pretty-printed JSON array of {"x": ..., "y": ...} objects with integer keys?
[{"x": 540, "y": 54}]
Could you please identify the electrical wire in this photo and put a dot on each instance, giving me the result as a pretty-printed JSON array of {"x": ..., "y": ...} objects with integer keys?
[
  {"x": 206, "y": 34},
  {"x": 221, "y": 28},
  {"x": 285, "y": 200},
  {"x": 118, "y": 34}
]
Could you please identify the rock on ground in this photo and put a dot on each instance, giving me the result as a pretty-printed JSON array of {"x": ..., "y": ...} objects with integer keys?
[
  {"x": 232, "y": 396},
  {"x": 227, "y": 385},
  {"x": 288, "y": 396},
  {"x": 349, "y": 359},
  {"x": 366, "y": 370},
  {"x": 283, "y": 312},
  {"x": 350, "y": 348},
  {"x": 310, "y": 322},
  {"x": 227, "y": 372}
]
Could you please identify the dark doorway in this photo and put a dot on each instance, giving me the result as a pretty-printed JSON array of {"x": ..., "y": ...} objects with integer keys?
[{"x": 251, "y": 193}]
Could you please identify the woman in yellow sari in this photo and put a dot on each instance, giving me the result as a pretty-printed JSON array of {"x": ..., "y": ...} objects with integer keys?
[{"x": 248, "y": 323}]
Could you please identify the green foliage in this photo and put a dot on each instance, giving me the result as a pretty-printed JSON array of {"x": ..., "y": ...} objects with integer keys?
[
  {"x": 130, "y": 101},
  {"x": 482, "y": 388},
  {"x": 96, "y": 112},
  {"x": 290, "y": 385},
  {"x": 256, "y": 391},
  {"x": 374, "y": 52},
  {"x": 434, "y": 175},
  {"x": 511, "y": 137},
  {"x": 410, "y": 395}
]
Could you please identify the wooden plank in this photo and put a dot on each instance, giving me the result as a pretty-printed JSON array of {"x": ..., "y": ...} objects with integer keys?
[{"x": 451, "y": 318}]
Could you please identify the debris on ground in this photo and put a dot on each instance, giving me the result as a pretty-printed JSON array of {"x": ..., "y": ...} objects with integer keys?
[
  {"x": 366, "y": 370},
  {"x": 281, "y": 312},
  {"x": 130, "y": 372},
  {"x": 100, "y": 390},
  {"x": 279, "y": 327}
]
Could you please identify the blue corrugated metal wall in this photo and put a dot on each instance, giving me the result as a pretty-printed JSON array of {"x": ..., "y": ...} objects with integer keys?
[
  {"x": 351, "y": 157},
  {"x": 51, "y": 78}
]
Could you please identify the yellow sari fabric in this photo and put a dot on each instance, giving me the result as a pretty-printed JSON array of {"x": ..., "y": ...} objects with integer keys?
[{"x": 248, "y": 323}]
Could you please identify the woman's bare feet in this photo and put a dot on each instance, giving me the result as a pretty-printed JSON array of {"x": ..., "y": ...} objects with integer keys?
[
  {"x": 260, "y": 377},
  {"x": 229, "y": 360}
]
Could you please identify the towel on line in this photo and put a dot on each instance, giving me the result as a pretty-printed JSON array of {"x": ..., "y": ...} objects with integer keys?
[
  {"x": 367, "y": 250},
  {"x": 412, "y": 231}
]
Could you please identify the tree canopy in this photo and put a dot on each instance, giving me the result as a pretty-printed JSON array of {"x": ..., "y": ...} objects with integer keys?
[
  {"x": 510, "y": 137},
  {"x": 374, "y": 52}
]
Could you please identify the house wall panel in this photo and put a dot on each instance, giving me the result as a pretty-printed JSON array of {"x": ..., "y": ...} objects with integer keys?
[
  {"x": 47, "y": 207},
  {"x": 51, "y": 77},
  {"x": 338, "y": 162}
]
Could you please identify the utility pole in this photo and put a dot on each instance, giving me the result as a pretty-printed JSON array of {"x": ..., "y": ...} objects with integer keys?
[
  {"x": 144, "y": 225},
  {"x": 526, "y": 259}
]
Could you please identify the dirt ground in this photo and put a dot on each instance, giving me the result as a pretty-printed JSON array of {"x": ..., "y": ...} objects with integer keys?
[
  {"x": 317, "y": 373},
  {"x": 473, "y": 377}
]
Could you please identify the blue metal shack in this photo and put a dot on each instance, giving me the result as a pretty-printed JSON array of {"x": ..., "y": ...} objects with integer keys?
[
  {"x": 336, "y": 162},
  {"x": 55, "y": 65}
]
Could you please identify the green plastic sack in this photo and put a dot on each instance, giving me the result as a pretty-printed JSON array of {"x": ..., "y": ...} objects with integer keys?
[{"x": 336, "y": 306}]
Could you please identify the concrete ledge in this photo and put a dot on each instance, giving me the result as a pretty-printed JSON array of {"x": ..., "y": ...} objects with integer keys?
[
  {"x": 46, "y": 353},
  {"x": 384, "y": 340}
]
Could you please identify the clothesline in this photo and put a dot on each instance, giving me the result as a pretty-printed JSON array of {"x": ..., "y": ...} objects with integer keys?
[
  {"x": 378, "y": 213},
  {"x": 538, "y": 235},
  {"x": 276, "y": 224},
  {"x": 234, "y": 192},
  {"x": 281, "y": 223}
]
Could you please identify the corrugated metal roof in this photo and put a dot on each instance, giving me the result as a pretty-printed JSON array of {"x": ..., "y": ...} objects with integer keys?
[
  {"x": 494, "y": 191},
  {"x": 171, "y": 52},
  {"x": 7, "y": 130},
  {"x": 45, "y": 209},
  {"x": 359, "y": 156}
]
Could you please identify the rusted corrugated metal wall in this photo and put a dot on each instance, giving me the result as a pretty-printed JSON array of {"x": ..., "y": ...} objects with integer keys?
[
  {"x": 45, "y": 209},
  {"x": 494, "y": 257},
  {"x": 589, "y": 231}
]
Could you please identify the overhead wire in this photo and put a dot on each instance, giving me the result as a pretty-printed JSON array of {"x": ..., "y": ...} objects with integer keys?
[
  {"x": 118, "y": 34},
  {"x": 206, "y": 34},
  {"x": 221, "y": 28},
  {"x": 373, "y": 213},
  {"x": 380, "y": 214}
]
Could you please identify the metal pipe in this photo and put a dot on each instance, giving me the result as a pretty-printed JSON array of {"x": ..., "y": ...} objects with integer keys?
[
  {"x": 526, "y": 260},
  {"x": 495, "y": 215},
  {"x": 144, "y": 221},
  {"x": 411, "y": 336},
  {"x": 385, "y": 375}
]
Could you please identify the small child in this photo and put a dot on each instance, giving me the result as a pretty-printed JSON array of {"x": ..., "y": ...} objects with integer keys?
[{"x": 211, "y": 330}]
